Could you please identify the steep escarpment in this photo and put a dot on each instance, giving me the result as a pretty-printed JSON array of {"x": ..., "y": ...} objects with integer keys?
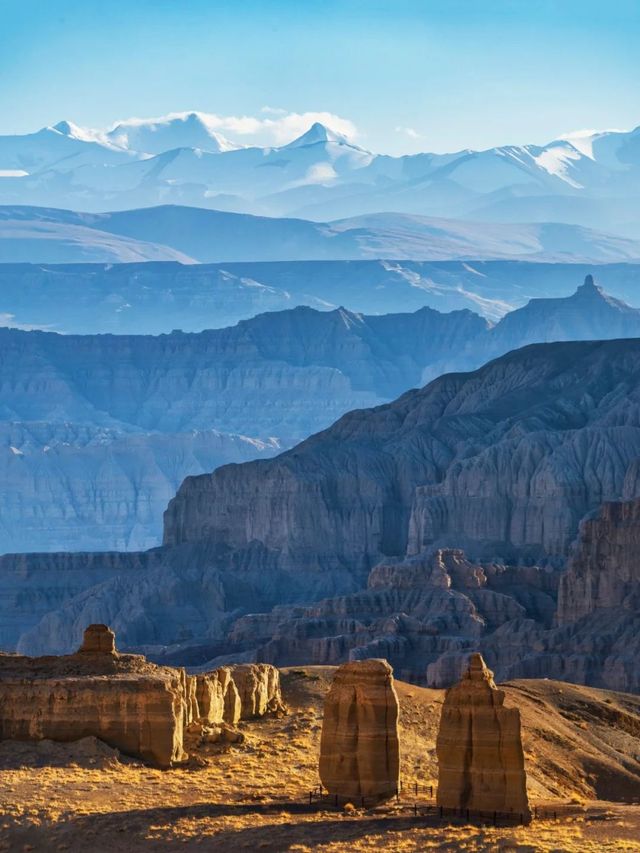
[
  {"x": 604, "y": 572},
  {"x": 97, "y": 431},
  {"x": 503, "y": 461}
]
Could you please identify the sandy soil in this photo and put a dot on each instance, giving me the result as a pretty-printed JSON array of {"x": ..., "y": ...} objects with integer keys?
[{"x": 580, "y": 746}]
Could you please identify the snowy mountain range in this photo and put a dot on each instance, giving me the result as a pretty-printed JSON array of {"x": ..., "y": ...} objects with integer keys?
[{"x": 592, "y": 180}]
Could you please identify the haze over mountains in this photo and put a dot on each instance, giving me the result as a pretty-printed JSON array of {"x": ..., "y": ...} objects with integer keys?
[
  {"x": 190, "y": 235},
  {"x": 98, "y": 431},
  {"x": 504, "y": 461},
  {"x": 588, "y": 180},
  {"x": 153, "y": 298}
]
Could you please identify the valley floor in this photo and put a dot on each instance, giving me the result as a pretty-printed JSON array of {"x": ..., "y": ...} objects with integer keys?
[{"x": 254, "y": 796}]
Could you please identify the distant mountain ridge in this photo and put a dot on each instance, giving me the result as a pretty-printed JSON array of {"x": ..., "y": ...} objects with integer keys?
[
  {"x": 98, "y": 431},
  {"x": 588, "y": 314},
  {"x": 154, "y": 298},
  {"x": 189, "y": 235},
  {"x": 588, "y": 180}
]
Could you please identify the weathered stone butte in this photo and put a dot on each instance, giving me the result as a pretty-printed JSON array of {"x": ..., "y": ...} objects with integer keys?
[
  {"x": 126, "y": 701},
  {"x": 480, "y": 757},
  {"x": 359, "y": 748}
]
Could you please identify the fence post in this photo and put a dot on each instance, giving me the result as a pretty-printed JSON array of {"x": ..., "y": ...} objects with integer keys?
[
  {"x": 397, "y": 796},
  {"x": 431, "y": 791},
  {"x": 416, "y": 789}
]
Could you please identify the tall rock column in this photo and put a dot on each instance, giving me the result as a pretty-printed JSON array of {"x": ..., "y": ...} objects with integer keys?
[
  {"x": 479, "y": 749},
  {"x": 359, "y": 747}
]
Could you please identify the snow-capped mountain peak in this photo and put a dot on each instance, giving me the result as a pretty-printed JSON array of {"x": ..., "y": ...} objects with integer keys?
[
  {"x": 176, "y": 130},
  {"x": 318, "y": 132}
]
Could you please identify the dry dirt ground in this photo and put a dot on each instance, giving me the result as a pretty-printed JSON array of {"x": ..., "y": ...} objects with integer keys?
[{"x": 582, "y": 747}]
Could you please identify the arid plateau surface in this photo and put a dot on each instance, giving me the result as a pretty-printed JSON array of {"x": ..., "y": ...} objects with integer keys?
[{"x": 581, "y": 750}]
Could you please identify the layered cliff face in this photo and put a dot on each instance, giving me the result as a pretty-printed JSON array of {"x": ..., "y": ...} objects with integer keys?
[
  {"x": 130, "y": 704},
  {"x": 98, "y": 432},
  {"x": 142, "y": 709},
  {"x": 604, "y": 572},
  {"x": 506, "y": 460}
]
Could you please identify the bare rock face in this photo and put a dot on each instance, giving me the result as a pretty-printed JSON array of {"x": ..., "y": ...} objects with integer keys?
[
  {"x": 124, "y": 700},
  {"x": 258, "y": 685},
  {"x": 480, "y": 756},
  {"x": 604, "y": 571},
  {"x": 98, "y": 640},
  {"x": 504, "y": 461},
  {"x": 359, "y": 748},
  {"x": 218, "y": 697}
]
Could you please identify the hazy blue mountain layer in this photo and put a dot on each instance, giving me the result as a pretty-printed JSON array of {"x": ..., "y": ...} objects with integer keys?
[
  {"x": 330, "y": 550},
  {"x": 188, "y": 234},
  {"x": 158, "y": 297}
]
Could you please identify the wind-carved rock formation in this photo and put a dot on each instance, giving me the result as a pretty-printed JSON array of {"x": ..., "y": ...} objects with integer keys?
[
  {"x": 359, "y": 747},
  {"x": 258, "y": 686},
  {"x": 129, "y": 703},
  {"x": 479, "y": 749},
  {"x": 604, "y": 570},
  {"x": 98, "y": 640},
  {"x": 133, "y": 705},
  {"x": 218, "y": 697}
]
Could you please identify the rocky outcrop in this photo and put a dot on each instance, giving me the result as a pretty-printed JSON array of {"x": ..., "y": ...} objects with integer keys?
[
  {"x": 423, "y": 614},
  {"x": 98, "y": 640},
  {"x": 604, "y": 571},
  {"x": 126, "y": 701},
  {"x": 479, "y": 749},
  {"x": 359, "y": 748},
  {"x": 258, "y": 686},
  {"x": 218, "y": 697}
]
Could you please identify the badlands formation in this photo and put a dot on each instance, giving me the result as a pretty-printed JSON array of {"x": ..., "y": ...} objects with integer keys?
[
  {"x": 465, "y": 499},
  {"x": 580, "y": 749},
  {"x": 135, "y": 706}
]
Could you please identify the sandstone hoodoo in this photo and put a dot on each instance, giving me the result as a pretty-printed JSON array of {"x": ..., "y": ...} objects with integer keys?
[
  {"x": 359, "y": 747},
  {"x": 479, "y": 748},
  {"x": 98, "y": 640}
]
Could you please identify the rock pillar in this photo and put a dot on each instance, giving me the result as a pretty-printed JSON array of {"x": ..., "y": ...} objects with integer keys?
[
  {"x": 359, "y": 749},
  {"x": 480, "y": 757}
]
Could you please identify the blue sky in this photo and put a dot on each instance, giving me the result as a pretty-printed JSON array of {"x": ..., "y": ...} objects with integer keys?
[{"x": 407, "y": 75}]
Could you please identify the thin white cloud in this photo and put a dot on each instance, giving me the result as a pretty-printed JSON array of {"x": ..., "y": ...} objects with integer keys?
[
  {"x": 273, "y": 127},
  {"x": 408, "y": 131}
]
